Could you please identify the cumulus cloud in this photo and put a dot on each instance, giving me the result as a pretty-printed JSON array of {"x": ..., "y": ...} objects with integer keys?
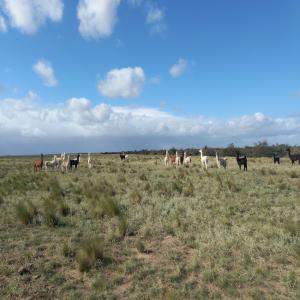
[
  {"x": 179, "y": 68},
  {"x": 123, "y": 83},
  {"x": 78, "y": 125},
  {"x": 3, "y": 26},
  {"x": 97, "y": 19},
  {"x": 44, "y": 69},
  {"x": 29, "y": 15}
]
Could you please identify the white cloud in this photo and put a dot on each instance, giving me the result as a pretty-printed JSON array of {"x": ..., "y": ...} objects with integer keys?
[
  {"x": 97, "y": 18},
  {"x": 3, "y": 26},
  {"x": 29, "y": 15},
  {"x": 154, "y": 15},
  {"x": 179, "y": 68},
  {"x": 44, "y": 69},
  {"x": 135, "y": 3},
  {"x": 155, "y": 18},
  {"x": 155, "y": 80},
  {"x": 78, "y": 125},
  {"x": 123, "y": 83}
]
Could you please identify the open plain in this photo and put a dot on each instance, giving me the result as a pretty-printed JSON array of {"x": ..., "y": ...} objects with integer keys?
[{"x": 136, "y": 229}]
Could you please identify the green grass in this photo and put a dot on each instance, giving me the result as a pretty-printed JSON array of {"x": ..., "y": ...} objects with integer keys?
[{"x": 138, "y": 230}]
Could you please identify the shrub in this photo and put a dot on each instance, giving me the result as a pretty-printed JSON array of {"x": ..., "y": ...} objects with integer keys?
[
  {"x": 88, "y": 253},
  {"x": 25, "y": 212}
]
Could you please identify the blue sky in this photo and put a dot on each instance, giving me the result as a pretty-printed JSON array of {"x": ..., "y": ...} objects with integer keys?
[{"x": 125, "y": 74}]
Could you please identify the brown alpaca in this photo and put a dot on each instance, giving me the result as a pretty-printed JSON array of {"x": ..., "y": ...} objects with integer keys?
[
  {"x": 293, "y": 157},
  {"x": 38, "y": 164}
]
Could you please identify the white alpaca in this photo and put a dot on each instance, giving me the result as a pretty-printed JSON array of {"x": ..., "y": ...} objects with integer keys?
[
  {"x": 177, "y": 160},
  {"x": 187, "y": 160},
  {"x": 221, "y": 162},
  {"x": 89, "y": 161},
  {"x": 65, "y": 164},
  {"x": 167, "y": 158},
  {"x": 59, "y": 160},
  {"x": 51, "y": 163},
  {"x": 126, "y": 156},
  {"x": 204, "y": 160}
]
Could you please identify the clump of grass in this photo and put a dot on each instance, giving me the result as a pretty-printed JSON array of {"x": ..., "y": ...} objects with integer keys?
[
  {"x": 123, "y": 226},
  {"x": 136, "y": 197},
  {"x": 171, "y": 294},
  {"x": 67, "y": 250},
  {"x": 1, "y": 199},
  {"x": 291, "y": 280},
  {"x": 50, "y": 213},
  {"x": 64, "y": 209},
  {"x": 140, "y": 246},
  {"x": 26, "y": 212},
  {"x": 143, "y": 177},
  {"x": 292, "y": 227},
  {"x": 177, "y": 186},
  {"x": 89, "y": 252},
  {"x": 188, "y": 190},
  {"x": 294, "y": 174},
  {"x": 106, "y": 206}
]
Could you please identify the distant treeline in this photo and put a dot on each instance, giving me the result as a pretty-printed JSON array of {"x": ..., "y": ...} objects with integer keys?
[{"x": 257, "y": 150}]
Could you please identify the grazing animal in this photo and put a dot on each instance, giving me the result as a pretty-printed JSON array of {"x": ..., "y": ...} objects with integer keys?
[
  {"x": 187, "y": 160},
  {"x": 242, "y": 161},
  {"x": 60, "y": 159},
  {"x": 167, "y": 158},
  {"x": 38, "y": 164},
  {"x": 293, "y": 157},
  {"x": 177, "y": 159},
  {"x": 221, "y": 162},
  {"x": 65, "y": 164},
  {"x": 172, "y": 159},
  {"x": 122, "y": 156},
  {"x": 276, "y": 158},
  {"x": 74, "y": 162},
  {"x": 89, "y": 161},
  {"x": 204, "y": 160},
  {"x": 51, "y": 163}
]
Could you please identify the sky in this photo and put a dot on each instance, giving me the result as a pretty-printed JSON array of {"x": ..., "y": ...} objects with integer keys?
[{"x": 117, "y": 75}]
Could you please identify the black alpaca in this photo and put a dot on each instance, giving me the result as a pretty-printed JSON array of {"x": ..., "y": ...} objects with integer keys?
[
  {"x": 122, "y": 156},
  {"x": 276, "y": 158},
  {"x": 74, "y": 162},
  {"x": 242, "y": 161},
  {"x": 293, "y": 157}
]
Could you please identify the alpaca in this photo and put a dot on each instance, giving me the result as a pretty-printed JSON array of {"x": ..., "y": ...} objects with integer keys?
[
  {"x": 177, "y": 159},
  {"x": 221, "y": 162},
  {"x": 74, "y": 162},
  {"x": 167, "y": 158},
  {"x": 293, "y": 157},
  {"x": 38, "y": 164},
  {"x": 51, "y": 163},
  {"x": 65, "y": 164},
  {"x": 89, "y": 161},
  {"x": 122, "y": 156},
  {"x": 276, "y": 158},
  {"x": 242, "y": 161},
  {"x": 59, "y": 160},
  {"x": 204, "y": 159},
  {"x": 187, "y": 160}
]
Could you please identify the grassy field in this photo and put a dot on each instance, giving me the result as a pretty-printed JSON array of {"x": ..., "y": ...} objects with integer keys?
[{"x": 138, "y": 230}]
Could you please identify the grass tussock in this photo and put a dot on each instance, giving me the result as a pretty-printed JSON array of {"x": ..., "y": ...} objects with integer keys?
[
  {"x": 89, "y": 252},
  {"x": 26, "y": 212}
]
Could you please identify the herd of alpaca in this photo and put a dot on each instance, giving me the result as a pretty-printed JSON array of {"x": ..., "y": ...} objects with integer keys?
[
  {"x": 60, "y": 163},
  {"x": 64, "y": 164}
]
